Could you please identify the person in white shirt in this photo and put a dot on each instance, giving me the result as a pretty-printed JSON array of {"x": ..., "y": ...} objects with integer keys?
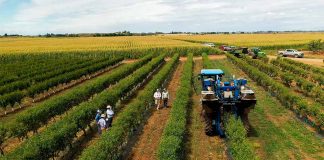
[
  {"x": 110, "y": 116},
  {"x": 228, "y": 93},
  {"x": 102, "y": 123},
  {"x": 165, "y": 98},
  {"x": 157, "y": 96}
]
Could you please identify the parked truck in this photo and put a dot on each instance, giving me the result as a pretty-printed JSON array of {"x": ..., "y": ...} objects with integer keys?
[{"x": 291, "y": 53}]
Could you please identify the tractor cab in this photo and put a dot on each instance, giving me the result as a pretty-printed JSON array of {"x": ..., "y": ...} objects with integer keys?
[{"x": 209, "y": 79}]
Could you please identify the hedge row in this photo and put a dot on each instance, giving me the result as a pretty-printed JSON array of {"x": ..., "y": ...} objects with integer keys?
[
  {"x": 316, "y": 78},
  {"x": 308, "y": 88},
  {"x": 172, "y": 140},
  {"x": 32, "y": 118},
  {"x": 305, "y": 66},
  {"x": 239, "y": 147},
  {"x": 111, "y": 143},
  {"x": 18, "y": 69},
  {"x": 287, "y": 97},
  {"x": 29, "y": 79},
  {"x": 207, "y": 64},
  {"x": 61, "y": 134},
  {"x": 45, "y": 84}
]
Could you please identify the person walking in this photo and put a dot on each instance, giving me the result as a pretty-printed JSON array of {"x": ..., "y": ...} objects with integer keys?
[
  {"x": 110, "y": 115},
  {"x": 157, "y": 96},
  {"x": 102, "y": 124},
  {"x": 165, "y": 98}
]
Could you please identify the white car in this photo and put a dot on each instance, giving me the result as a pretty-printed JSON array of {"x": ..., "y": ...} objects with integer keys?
[
  {"x": 209, "y": 44},
  {"x": 291, "y": 53}
]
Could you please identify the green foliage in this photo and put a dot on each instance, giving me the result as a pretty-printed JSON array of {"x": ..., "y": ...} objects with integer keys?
[
  {"x": 207, "y": 64},
  {"x": 43, "y": 81},
  {"x": 111, "y": 143},
  {"x": 32, "y": 118},
  {"x": 60, "y": 134},
  {"x": 315, "y": 45},
  {"x": 239, "y": 146},
  {"x": 304, "y": 66},
  {"x": 171, "y": 146},
  {"x": 274, "y": 70},
  {"x": 286, "y": 96}
]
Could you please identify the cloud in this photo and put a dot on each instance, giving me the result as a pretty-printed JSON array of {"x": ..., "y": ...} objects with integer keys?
[{"x": 70, "y": 16}]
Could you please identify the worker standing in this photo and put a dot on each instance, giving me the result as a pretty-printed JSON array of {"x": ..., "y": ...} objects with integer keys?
[
  {"x": 157, "y": 96},
  {"x": 102, "y": 123},
  {"x": 98, "y": 116},
  {"x": 165, "y": 98},
  {"x": 110, "y": 115}
]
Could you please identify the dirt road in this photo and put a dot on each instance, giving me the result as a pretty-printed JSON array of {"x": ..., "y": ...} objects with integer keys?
[{"x": 147, "y": 144}]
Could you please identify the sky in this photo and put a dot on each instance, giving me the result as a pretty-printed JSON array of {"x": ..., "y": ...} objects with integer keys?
[{"x": 33, "y": 17}]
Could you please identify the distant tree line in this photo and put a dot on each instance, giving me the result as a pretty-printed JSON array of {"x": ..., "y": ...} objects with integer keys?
[{"x": 128, "y": 33}]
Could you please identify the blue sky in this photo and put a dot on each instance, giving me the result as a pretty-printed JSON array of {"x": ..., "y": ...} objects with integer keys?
[{"x": 32, "y": 17}]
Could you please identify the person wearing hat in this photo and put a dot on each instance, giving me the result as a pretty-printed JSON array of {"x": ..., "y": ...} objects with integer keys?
[
  {"x": 102, "y": 123},
  {"x": 165, "y": 98},
  {"x": 110, "y": 115},
  {"x": 157, "y": 96}
]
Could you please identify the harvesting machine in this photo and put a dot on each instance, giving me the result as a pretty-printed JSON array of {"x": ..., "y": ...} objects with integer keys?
[{"x": 220, "y": 99}]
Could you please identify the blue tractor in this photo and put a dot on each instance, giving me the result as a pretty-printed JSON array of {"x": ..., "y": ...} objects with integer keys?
[{"x": 220, "y": 99}]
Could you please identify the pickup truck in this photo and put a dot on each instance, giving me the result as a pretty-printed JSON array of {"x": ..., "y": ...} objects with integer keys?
[{"x": 291, "y": 53}]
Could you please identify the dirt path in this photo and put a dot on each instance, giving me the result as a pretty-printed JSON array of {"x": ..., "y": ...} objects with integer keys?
[
  {"x": 146, "y": 146},
  {"x": 312, "y": 61},
  {"x": 276, "y": 132},
  {"x": 200, "y": 146}
]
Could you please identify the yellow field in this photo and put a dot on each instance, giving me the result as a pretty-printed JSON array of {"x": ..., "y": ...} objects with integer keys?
[
  {"x": 250, "y": 40},
  {"x": 37, "y": 45},
  {"x": 31, "y": 45}
]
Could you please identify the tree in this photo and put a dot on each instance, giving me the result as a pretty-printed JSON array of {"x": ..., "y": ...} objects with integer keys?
[
  {"x": 5, "y": 35},
  {"x": 315, "y": 45}
]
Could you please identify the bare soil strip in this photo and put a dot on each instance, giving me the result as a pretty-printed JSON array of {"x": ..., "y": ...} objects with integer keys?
[
  {"x": 147, "y": 143},
  {"x": 59, "y": 89},
  {"x": 200, "y": 146}
]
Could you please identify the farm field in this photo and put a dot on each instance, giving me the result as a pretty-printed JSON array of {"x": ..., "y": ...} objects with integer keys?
[
  {"x": 51, "y": 89},
  {"x": 255, "y": 40},
  {"x": 41, "y": 45}
]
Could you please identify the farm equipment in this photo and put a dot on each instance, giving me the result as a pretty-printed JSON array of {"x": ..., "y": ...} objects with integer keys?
[
  {"x": 256, "y": 52},
  {"x": 220, "y": 99},
  {"x": 236, "y": 52}
]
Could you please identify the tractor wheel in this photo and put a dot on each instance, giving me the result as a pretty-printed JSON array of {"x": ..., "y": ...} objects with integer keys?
[
  {"x": 245, "y": 119},
  {"x": 208, "y": 123}
]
